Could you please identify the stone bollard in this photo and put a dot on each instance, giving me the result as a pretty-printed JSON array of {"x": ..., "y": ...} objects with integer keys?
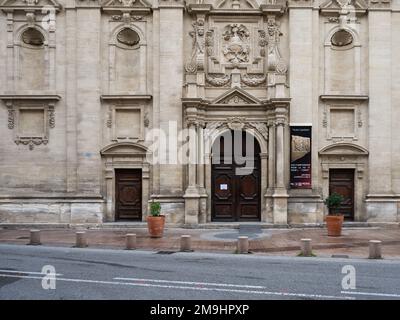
[
  {"x": 186, "y": 243},
  {"x": 81, "y": 241},
  {"x": 243, "y": 244},
  {"x": 35, "y": 238},
  {"x": 130, "y": 241},
  {"x": 306, "y": 249},
  {"x": 375, "y": 249}
]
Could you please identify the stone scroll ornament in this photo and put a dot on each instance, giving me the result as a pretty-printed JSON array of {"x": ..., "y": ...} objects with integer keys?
[
  {"x": 197, "y": 58},
  {"x": 236, "y": 48}
]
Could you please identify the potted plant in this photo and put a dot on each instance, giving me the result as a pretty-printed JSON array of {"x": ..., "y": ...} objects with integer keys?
[
  {"x": 334, "y": 220},
  {"x": 155, "y": 221}
]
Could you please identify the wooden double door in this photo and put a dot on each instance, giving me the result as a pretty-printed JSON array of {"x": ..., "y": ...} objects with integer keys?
[
  {"x": 341, "y": 181},
  {"x": 236, "y": 184},
  {"x": 128, "y": 194}
]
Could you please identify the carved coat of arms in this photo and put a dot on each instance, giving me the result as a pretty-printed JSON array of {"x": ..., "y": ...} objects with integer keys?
[{"x": 236, "y": 48}]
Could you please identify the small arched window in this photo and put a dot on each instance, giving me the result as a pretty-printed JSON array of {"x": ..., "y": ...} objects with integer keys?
[
  {"x": 341, "y": 38},
  {"x": 33, "y": 37},
  {"x": 128, "y": 37}
]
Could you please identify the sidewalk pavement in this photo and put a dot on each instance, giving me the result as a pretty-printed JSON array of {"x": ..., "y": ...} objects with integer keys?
[{"x": 353, "y": 242}]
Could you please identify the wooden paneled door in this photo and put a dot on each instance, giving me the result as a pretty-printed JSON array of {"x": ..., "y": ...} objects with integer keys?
[
  {"x": 128, "y": 194},
  {"x": 236, "y": 191},
  {"x": 341, "y": 181}
]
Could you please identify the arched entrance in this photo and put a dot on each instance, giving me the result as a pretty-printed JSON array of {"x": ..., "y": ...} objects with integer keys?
[{"x": 236, "y": 177}]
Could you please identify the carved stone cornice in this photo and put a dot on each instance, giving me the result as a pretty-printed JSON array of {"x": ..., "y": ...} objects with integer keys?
[
  {"x": 179, "y": 4},
  {"x": 379, "y": 4},
  {"x": 118, "y": 97},
  {"x": 300, "y": 4},
  {"x": 277, "y": 8},
  {"x": 29, "y": 5},
  {"x": 343, "y": 97},
  {"x": 92, "y": 4},
  {"x": 202, "y": 8},
  {"x": 19, "y": 97}
]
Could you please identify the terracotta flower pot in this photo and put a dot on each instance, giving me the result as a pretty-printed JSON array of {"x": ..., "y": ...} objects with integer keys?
[
  {"x": 334, "y": 225},
  {"x": 155, "y": 225}
]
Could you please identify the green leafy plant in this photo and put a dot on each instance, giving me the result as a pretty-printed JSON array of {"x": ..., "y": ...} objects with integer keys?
[
  {"x": 333, "y": 202},
  {"x": 155, "y": 208},
  {"x": 301, "y": 255}
]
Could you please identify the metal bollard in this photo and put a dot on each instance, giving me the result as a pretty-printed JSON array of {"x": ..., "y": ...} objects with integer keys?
[
  {"x": 306, "y": 248},
  {"x": 186, "y": 243},
  {"x": 35, "y": 238},
  {"x": 375, "y": 249},
  {"x": 131, "y": 241},
  {"x": 81, "y": 241},
  {"x": 243, "y": 244}
]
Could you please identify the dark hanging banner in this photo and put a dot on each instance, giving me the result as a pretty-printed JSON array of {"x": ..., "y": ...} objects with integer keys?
[{"x": 300, "y": 157}]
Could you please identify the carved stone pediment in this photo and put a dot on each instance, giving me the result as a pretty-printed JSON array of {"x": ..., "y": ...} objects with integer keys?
[
  {"x": 236, "y": 96},
  {"x": 126, "y": 5},
  {"x": 334, "y": 6},
  {"x": 28, "y": 4},
  {"x": 124, "y": 149},
  {"x": 343, "y": 149}
]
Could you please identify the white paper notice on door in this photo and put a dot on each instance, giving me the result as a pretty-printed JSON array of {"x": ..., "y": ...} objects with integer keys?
[{"x": 223, "y": 187}]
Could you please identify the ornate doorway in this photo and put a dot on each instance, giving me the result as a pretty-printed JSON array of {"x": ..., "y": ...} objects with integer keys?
[{"x": 236, "y": 177}]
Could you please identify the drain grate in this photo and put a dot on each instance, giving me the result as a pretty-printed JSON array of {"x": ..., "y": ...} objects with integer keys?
[{"x": 165, "y": 252}]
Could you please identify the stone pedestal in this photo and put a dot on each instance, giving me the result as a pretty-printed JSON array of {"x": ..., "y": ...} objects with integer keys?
[
  {"x": 191, "y": 207},
  {"x": 280, "y": 207}
]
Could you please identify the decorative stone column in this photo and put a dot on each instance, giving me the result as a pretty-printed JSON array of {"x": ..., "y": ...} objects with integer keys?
[
  {"x": 280, "y": 196},
  {"x": 200, "y": 174},
  {"x": 192, "y": 193},
  {"x": 271, "y": 171}
]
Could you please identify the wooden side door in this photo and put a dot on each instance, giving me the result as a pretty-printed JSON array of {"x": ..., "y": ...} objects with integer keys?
[
  {"x": 341, "y": 181},
  {"x": 128, "y": 195},
  {"x": 223, "y": 184},
  {"x": 248, "y": 197}
]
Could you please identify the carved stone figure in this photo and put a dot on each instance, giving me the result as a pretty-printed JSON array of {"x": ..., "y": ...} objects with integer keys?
[
  {"x": 197, "y": 58},
  {"x": 275, "y": 60}
]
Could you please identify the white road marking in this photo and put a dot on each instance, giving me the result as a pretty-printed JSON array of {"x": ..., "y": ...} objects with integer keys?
[
  {"x": 284, "y": 294},
  {"x": 30, "y": 272},
  {"x": 371, "y": 294},
  {"x": 193, "y": 283}
]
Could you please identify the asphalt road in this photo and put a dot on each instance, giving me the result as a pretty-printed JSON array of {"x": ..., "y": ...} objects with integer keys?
[{"x": 120, "y": 274}]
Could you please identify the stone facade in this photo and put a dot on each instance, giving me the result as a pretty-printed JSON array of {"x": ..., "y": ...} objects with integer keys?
[{"x": 88, "y": 87}]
